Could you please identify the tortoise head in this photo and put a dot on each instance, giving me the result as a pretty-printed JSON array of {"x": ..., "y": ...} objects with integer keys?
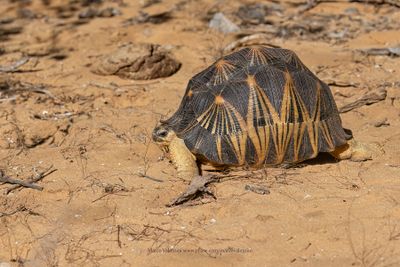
[{"x": 163, "y": 135}]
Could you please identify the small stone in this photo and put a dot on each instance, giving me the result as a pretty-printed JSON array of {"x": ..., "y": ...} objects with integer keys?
[
  {"x": 137, "y": 62},
  {"x": 109, "y": 12},
  {"x": 352, "y": 11},
  {"x": 394, "y": 50},
  {"x": 381, "y": 122},
  {"x": 337, "y": 35},
  {"x": 88, "y": 13},
  {"x": 252, "y": 14},
  {"x": 223, "y": 24},
  {"x": 147, "y": 3},
  {"x": 261, "y": 190}
]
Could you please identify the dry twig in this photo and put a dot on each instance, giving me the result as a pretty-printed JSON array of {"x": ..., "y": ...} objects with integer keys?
[
  {"x": 198, "y": 186},
  {"x": 261, "y": 190},
  {"x": 7, "y": 179},
  {"x": 310, "y": 4},
  {"x": 150, "y": 178},
  {"x": 28, "y": 184},
  {"x": 365, "y": 100},
  {"x": 342, "y": 84},
  {"x": 9, "y": 88},
  {"x": 20, "y": 208},
  {"x": 385, "y": 51},
  {"x": 14, "y": 66},
  {"x": 395, "y": 3}
]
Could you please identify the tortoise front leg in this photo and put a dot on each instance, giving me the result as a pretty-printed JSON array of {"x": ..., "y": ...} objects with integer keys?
[
  {"x": 184, "y": 160},
  {"x": 187, "y": 169}
]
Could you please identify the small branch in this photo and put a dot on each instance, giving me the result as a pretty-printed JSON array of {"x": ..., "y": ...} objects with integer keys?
[
  {"x": 20, "y": 208},
  {"x": 28, "y": 184},
  {"x": 365, "y": 100},
  {"x": 14, "y": 66},
  {"x": 310, "y": 4},
  {"x": 395, "y": 3},
  {"x": 261, "y": 190},
  {"x": 112, "y": 190},
  {"x": 342, "y": 84},
  {"x": 150, "y": 178},
  {"x": 118, "y": 236},
  {"x": 11, "y": 87},
  {"x": 42, "y": 91},
  {"x": 7, "y": 179},
  {"x": 108, "y": 194},
  {"x": 196, "y": 188},
  {"x": 385, "y": 51}
]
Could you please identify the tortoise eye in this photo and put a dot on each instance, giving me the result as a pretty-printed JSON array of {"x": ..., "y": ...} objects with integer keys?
[{"x": 162, "y": 133}]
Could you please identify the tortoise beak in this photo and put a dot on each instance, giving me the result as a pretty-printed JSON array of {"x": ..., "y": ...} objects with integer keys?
[
  {"x": 159, "y": 134},
  {"x": 154, "y": 135}
]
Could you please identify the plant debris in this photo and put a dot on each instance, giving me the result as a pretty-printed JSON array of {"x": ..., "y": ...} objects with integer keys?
[
  {"x": 196, "y": 188},
  {"x": 387, "y": 51},
  {"x": 10, "y": 88},
  {"x": 368, "y": 99},
  {"x": 14, "y": 66},
  {"x": 103, "y": 13},
  {"x": 143, "y": 17},
  {"x": 30, "y": 183},
  {"x": 252, "y": 14},
  {"x": 261, "y": 190}
]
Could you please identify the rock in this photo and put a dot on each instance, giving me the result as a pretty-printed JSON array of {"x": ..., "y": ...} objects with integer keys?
[
  {"x": 29, "y": 136},
  {"x": 109, "y": 12},
  {"x": 38, "y": 132},
  {"x": 258, "y": 189},
  {"x": 252, "y": 14},
  {"x": 147, "y": 3},
  {"x": 352, "y": 11},
  {"x": 223, "y": 24},
  {"x": 137, "y": 62},
  {"x": 155, "y": 18},
  {"x": 381, "y": 122},
  {"x": 90, "y": 13},
  {"x": 9, "y": 137}
]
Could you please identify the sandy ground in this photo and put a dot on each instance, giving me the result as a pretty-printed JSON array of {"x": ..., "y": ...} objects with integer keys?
[{"x": 105, "y": 202}]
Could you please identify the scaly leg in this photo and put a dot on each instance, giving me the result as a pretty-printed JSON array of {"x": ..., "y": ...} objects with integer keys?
[{"x": 187, "y": 169}]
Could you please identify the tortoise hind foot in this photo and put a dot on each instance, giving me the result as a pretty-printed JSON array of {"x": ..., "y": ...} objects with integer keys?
[
  {"x": 196, "y": 188},
  {"x": 354, "y": 150}
]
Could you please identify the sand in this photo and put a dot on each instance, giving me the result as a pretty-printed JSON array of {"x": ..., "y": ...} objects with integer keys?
[{"x": 105, "y": 202}]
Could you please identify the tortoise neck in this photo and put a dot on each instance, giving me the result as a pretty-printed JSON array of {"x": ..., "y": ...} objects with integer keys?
[{"x": 183, "y": 159}]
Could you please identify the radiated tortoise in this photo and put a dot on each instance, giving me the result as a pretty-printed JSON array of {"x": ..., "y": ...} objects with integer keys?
[{"x": 255, "y": 107}]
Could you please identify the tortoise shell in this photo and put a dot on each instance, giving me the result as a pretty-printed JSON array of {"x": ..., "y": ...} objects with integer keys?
[{"x": 257, "y": 106}]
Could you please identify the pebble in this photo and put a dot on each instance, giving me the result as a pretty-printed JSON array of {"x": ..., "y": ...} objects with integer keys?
[
  {"x": 223, "y": 24},
  {"x": 352, "y": 10}
]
